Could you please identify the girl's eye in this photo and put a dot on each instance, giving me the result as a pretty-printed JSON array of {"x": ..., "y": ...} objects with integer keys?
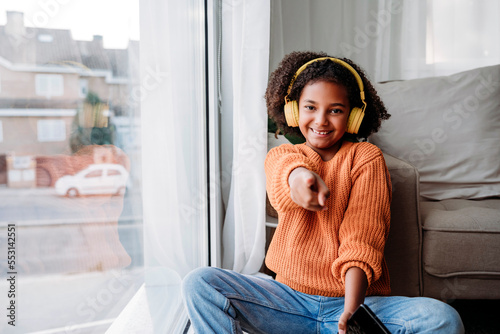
[
  {"x": 336, "y": 111},
  {"x": 309, "y": 107}
]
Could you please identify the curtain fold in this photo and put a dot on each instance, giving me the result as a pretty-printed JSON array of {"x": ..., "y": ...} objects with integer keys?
[
  {"x": 368, "y": 32},
  {"x": 245, "y": 68},
  {"x": 391, "y": 39},
  {"x": 172, "y": 99}
]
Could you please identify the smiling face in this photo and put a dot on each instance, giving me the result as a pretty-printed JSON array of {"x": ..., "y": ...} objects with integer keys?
[{"x": 323, "y": 112}]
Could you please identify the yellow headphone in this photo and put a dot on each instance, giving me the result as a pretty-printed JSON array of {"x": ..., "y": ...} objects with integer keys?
[{"x": 356, "y": 115}]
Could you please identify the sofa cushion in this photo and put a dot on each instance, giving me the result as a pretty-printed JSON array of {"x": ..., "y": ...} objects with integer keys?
[
  {"x": 461, "y": 237},
  {"x": 447, "y": 127}
]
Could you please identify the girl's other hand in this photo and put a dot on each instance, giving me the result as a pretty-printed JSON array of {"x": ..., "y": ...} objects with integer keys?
[
  {"x": 343, "y": 322},
  {"x": 308, "y": 189}
]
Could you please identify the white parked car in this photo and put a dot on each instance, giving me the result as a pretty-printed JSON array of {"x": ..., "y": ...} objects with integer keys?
[{"x": 94, "y": 180}]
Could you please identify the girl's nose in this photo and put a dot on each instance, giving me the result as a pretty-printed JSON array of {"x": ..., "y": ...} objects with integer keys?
[{"x": 320, "y": 118}]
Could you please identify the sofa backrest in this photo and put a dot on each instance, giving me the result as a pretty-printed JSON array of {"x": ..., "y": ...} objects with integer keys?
[{"x": 449, "y": 129}]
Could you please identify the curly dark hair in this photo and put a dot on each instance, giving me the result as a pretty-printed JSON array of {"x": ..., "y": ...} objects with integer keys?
[{"x": 325, "y": 70}]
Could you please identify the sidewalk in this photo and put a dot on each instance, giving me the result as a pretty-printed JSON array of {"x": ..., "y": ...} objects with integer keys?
[{"x": 6, "y": 191}]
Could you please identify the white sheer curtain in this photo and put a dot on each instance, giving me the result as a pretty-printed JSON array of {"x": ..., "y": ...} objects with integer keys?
[
  {"x": 244, "y": 63},
  {"x": 172, "y": 95},
  {"x": 391, "y": 39},
  {"x": 462, "y": 35}
]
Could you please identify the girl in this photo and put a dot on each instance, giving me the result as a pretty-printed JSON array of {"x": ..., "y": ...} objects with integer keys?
[{"x": 333, "y": 196}]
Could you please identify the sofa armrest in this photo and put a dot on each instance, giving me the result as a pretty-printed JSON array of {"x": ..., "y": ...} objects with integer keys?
[{"x": 403, "y": 247}]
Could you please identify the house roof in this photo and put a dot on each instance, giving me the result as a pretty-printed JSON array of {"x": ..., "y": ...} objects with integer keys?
[
  {"x": 93, "y": 55},
  {"x": 54, "y": 48},
  {"x": 43, "y": 50}
]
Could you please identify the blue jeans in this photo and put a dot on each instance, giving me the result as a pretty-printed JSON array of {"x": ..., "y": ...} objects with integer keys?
[{"x": 222, "y": 301}]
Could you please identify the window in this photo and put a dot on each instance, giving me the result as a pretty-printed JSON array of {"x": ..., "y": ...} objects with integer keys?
[
  {"x": 51, "y": 130},
  {"x": 49, "y": 85},
  {"x": 20, "y": 171},
  {"x": 96, "y": 173},
  {"x": 112, "y": 172},
  {"x": 79, "y": 245},
  {"x": 84, "y": 87},
  {"x": 96, "y": 250},
  {"x": 45, "y": 38}
]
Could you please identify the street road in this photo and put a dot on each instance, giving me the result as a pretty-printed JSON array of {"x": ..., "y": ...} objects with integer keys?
[
  {"x": 42, "y": 206},
  {"x": 78, "y": 261},
  {"x": 57, "y": 234}
]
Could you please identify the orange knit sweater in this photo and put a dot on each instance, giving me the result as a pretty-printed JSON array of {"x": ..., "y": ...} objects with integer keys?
[{"x": 311, "y": 251}]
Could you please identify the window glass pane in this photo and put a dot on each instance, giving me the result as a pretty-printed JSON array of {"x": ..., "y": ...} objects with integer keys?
[
  {"x": 96, "y": 173},
  {"x": 51, "y": 130},
  {"x": 71, "y": 218},
  {"x": 49, "y": 85},
  {"x": 112, "y": 172},
  {"x": 84, "y": 87}
]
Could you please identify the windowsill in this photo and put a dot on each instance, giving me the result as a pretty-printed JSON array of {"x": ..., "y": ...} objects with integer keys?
[
  {"x": 153, "y": 309},
  {"x": 157, "y": 307}
]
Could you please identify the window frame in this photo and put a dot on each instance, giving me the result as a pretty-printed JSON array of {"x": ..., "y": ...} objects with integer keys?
[
  {"x": 46, "y": 133},
  {"x": 83, "y": 87},
  {"x": 49, "y": 85}
]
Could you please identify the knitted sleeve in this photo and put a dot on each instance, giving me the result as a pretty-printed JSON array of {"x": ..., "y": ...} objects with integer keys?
[
  {"x": 365, "y": 226},
  {"x": 280, "y": 162}
]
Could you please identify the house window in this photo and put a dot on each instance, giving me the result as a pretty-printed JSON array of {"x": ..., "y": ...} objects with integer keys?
[
  {"x": 49, "y": 85},
  {"x": 45, "y": 38},
  {"x": 84, "y": 87},
  {"x": 51, "y": 130}
]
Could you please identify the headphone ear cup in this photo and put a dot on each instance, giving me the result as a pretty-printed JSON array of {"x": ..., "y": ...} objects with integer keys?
[
  {"x": 292, "y": 113},
  {"x": 355, "y": 118}
]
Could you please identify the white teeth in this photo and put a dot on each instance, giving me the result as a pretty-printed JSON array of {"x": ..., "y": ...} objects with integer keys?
[{"x": 321, "y": 133}]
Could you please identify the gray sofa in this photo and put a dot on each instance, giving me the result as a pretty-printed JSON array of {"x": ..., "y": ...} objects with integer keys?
[
  {"x": 442, "y": 148},
  {"x": 448, "y": 249}
]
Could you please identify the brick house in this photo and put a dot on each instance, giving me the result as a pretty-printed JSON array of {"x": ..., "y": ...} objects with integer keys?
[{"x": 45, "y": 76}]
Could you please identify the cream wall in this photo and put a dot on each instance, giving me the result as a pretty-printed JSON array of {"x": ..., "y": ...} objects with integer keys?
[
  {"x": 22, "y": 85},
  {"x": 20, "y": 137}
]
